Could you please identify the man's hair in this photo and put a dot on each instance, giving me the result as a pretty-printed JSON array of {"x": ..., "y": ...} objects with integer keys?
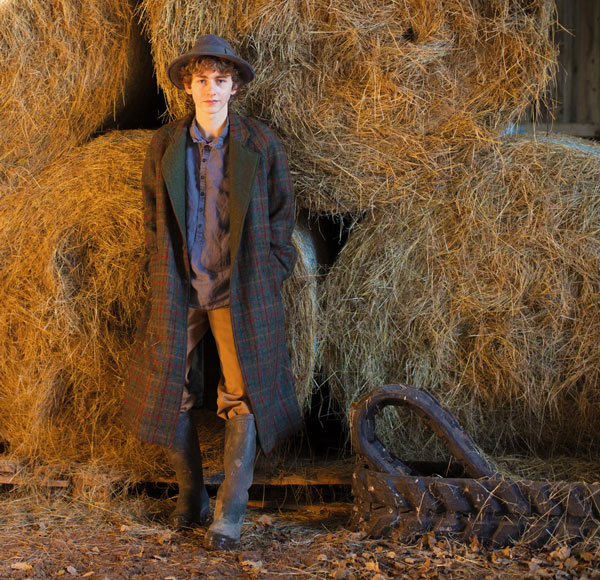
[{"x": 198, "y": 64}]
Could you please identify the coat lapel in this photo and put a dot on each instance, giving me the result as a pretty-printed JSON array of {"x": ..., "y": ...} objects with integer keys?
[
  {"x": 243, "y": 163},
  {"x": 173, "y": 169}
]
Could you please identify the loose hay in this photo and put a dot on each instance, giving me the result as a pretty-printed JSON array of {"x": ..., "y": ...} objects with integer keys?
[
  {"x": 62, "y": 72},
  {"x": 484, "y": 293},
  {"x": 71, "y": 254},
  {"x": 365, "y": 92}
]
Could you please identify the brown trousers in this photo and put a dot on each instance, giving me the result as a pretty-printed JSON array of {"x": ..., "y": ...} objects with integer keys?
[{"x": 232, "y": 398}]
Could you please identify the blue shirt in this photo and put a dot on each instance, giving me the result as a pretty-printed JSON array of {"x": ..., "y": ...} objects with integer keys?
[{"x": 207, "y": 218}]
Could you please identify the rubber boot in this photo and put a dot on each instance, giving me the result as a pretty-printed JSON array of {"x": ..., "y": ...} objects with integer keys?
[
  {"x": 232, "y": 497},
  {"x": 193, "y": 504}
]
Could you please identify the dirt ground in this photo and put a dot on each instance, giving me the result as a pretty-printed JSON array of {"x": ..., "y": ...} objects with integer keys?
[{"x": 45, "y": 535}]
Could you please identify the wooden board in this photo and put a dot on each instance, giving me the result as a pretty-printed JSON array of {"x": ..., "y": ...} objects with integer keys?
[
  {"x": 576, "y": 89},
  {"x": 329, "y": 473}
]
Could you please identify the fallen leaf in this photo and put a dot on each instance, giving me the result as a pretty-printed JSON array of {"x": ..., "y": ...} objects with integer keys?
[
  {"x": 561, "y": 553},
  {"x": 587, "y": 556},
  {"x": 72, "y": 570},
  {"x": 540, "y": 572},
  {"x": 265, "y": 520},
  {"x": 474, "y": 544},
  {"x": 425, "y": 566},
  {"x": 390, "y": 555},
  {"x": 124, "y": 528},
  {"x": 87, "y": 574},
  {"x": 431, "y": 541},
  {"x": 495, "y": 559},
  {"x": 21, "y": 566},
  {"x": 537, "y": 561},
  {"x": 357, "y": 536},
  {"x": 322, "y": 558},
  {"x": 374, "y": 566},
  {"x": 571, "y": 563},
  {"x": 252, "y": 567}
]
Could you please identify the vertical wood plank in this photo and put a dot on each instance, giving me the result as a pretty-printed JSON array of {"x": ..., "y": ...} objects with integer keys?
[
  {"x": 564, "y": 78},
  {"x": 587, "y": 83},
  {"x": 593, "y": 89},
  {"x": 580, "y": 112},
  {"x": 580, "y": 10},
  {"x": 577, "y": 85}
]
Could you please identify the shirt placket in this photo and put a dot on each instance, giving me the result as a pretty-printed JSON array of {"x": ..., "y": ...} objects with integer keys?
[{"x": 204, "y": 157}]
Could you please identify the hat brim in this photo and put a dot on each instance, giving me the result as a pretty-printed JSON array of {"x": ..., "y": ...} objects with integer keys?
[{"x": 246, "y": 71}]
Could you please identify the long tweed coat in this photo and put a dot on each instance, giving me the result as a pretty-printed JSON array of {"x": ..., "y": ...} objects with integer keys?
[{"x": 262, "y": 256}]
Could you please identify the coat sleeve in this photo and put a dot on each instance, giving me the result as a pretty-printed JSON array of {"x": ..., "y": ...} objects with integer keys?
[{"x": 281, "y": 211}]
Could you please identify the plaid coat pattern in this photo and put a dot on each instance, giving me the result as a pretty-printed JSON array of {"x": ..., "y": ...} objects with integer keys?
[{"x": 262, "y": 256}]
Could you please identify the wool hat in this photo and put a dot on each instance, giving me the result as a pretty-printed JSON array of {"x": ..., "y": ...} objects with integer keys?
[{"x": 209, "y": 45}]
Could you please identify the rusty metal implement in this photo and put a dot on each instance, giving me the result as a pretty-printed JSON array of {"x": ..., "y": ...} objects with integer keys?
[{"x": 391, "y": 495}]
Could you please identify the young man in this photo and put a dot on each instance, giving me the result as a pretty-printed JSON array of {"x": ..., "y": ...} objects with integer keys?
[{"x": 218, "y": 217}]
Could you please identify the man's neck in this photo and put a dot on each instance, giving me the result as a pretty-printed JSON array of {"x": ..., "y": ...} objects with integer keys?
[{"x": 211, "y": 126}]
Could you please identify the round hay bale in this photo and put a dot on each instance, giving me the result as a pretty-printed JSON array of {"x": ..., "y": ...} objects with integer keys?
[
  {"x": 62, "y": 72},
  {"x": 71, "y": 259},
  {"x": 484, "y": 293},
  {"x": 300, "y": 295},
  {"x": 71, "y": 255},
  {"x": 363, "y": 94}
]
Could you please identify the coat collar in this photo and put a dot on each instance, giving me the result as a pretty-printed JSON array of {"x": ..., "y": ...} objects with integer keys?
[{"x": 243, "y": 161}]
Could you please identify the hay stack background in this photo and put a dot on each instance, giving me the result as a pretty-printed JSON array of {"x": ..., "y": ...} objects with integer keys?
[
  {"x": 72, "y": 289},
  {"x": 62, "y": 73},
  {"x": 71, "y": 253},
  {"x": 366, "y": 93},
  {"x": 484, "y": 293}
]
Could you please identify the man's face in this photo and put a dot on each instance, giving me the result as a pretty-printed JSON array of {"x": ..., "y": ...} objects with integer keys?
[{"x": 211, "y": 91}]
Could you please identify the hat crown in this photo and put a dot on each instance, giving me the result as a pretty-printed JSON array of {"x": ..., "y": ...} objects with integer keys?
[{"x": 212, "y": 43}]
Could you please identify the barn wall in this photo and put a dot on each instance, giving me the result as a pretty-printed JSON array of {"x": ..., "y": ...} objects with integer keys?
[{"x": 576, "y": 91}]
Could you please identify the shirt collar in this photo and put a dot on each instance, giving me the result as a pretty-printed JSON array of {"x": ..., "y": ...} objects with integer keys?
[{"x": 215, "y": 143}]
